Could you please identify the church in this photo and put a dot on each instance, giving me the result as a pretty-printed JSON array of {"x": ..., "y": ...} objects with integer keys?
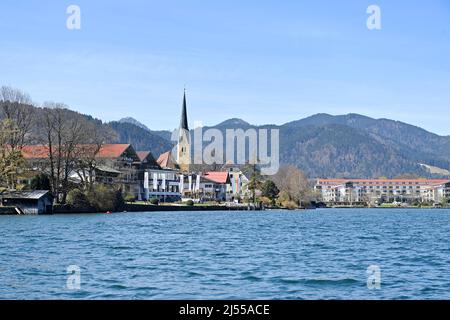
[
  {"x": 181, "y": 160},
  {"x": 198, "y": 186},
  {"x": 184, "y": 145}
]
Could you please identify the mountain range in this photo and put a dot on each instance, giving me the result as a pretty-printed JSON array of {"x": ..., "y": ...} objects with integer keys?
[
  {"x": 322, "y": 145},
  {"x": 350, "y": 146}
]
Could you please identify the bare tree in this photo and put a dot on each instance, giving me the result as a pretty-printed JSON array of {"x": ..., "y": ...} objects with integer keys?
[
  {"x": 47, "y": 129},
  {"x": 62, "y": 134},
  {"x": 15, "y": 106},
  {"x": 73, "y": 136},
  {"x": 15, "y": 126},
  {"x": 8, "y": 94},
  {"x": 21, "y": 117},
  {"x": 52, "y": 127},
  {"x": 11, "y": 160},
  {"x": 87, "y": 154},
  {"x": 294, "y": 182},
  {"x": 73, "y": 144}
]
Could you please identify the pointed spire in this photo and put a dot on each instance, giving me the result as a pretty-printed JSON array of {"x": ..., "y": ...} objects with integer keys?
[{"x": 184, "y": 121}]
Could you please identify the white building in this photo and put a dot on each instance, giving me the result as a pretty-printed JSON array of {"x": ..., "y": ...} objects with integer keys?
[
  {"x": 162, "y": 184},
  {"x": 437, "y": 193},
  {"x": 383, "y": 190}
]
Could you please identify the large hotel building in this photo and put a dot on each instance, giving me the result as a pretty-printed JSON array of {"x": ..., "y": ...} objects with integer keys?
[{"x": 383, "y": 190}]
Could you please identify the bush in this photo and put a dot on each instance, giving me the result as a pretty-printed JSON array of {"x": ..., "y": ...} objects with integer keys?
[
  {"x": 289, "y": 204},
  {"x": 101, "y": 198},
  {"x": 154, "y": 201},
  {"x": 78, "y": 199},
  {"x": 266, "y": 201},
  {"x": 283, "y": 197},
  {"x": 190, "y": 203},
  {"x": 129, "y": 197}
]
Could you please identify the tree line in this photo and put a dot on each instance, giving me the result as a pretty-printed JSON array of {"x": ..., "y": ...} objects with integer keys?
[
  {"x": 70, "y": 140},
  {"x": 288, "y": 188}
]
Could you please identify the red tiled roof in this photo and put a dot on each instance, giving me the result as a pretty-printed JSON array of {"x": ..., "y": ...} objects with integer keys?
[
  {"x": 112, "y": 150},
  {"x": 164, "y": 159},
  {"x": 142, "y": 154},
  {"x": 217, "y": 176},
  {"x": 106, "y": 151},
  {"x": 35, "y": 152}
]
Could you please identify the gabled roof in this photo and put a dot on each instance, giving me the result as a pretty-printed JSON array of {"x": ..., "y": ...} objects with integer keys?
[
  {"x": 143, "y": 154},
  {"x": 217, "y": 177},
  {"x": 33, "y": 195},
  {"x": 165, "y": 161},
  {"x": 112, "y": 150},
  {"x": 106, "y": 151},
  {"x": 146, "y": 159}
]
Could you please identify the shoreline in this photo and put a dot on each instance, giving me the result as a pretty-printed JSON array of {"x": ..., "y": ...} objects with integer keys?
[
  {"x": 10, "y": 211},
  {"x": 160, "y": 208}
]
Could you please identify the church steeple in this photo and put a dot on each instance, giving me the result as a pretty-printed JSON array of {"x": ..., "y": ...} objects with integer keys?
[
  {"x": 184, "y": 148},
  {"x": 184, "y": 122}
]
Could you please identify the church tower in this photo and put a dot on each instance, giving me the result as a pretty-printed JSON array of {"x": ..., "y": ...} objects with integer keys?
[{"x": 184, "y": 147}]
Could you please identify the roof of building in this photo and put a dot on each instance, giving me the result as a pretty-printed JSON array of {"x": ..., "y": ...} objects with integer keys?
[
  {"x": 33, "y": 195},
  {"x": 217, "y": 176},
  {"x": 384, "y": 181},
  {"x": 146, "y": 158},
  {"x": 112, "y": 150},
  {"x": 107, "y": 169},
  {"x": 106, "y": 151},
  {"x": 143, "y": 154},
  {"x": 184, "y": 121},
  {"x": 35, "y": 152},
  {"x": 166, "y": 161}
]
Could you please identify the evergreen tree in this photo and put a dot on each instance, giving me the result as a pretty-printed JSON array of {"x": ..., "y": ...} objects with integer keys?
[
  {"x": 40, "y": 182},
  {"x": 269, "y": 190}
]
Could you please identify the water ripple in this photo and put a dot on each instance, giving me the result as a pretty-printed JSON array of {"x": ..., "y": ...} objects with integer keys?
[{"x": 322, "y": 254}]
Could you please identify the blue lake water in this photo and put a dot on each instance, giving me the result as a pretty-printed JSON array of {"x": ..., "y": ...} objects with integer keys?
[{"x": 318, "y": 254}]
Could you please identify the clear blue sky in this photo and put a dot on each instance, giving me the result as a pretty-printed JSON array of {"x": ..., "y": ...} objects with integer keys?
[{"x": 262, "y": 61}]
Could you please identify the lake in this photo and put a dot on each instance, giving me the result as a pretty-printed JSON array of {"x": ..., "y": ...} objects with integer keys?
[{"x": 317, "y": 254}]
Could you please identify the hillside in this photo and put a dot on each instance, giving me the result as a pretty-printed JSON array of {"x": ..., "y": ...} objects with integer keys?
[
  {"x": 340, "y": 151},
  {"x": 322, "y": 145},
  {"x": 358, "y": 146},
  {"x": 141, "y": 138},
  {"x": 404, "y": 141},
  {"x": 403, "y": 133}
]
